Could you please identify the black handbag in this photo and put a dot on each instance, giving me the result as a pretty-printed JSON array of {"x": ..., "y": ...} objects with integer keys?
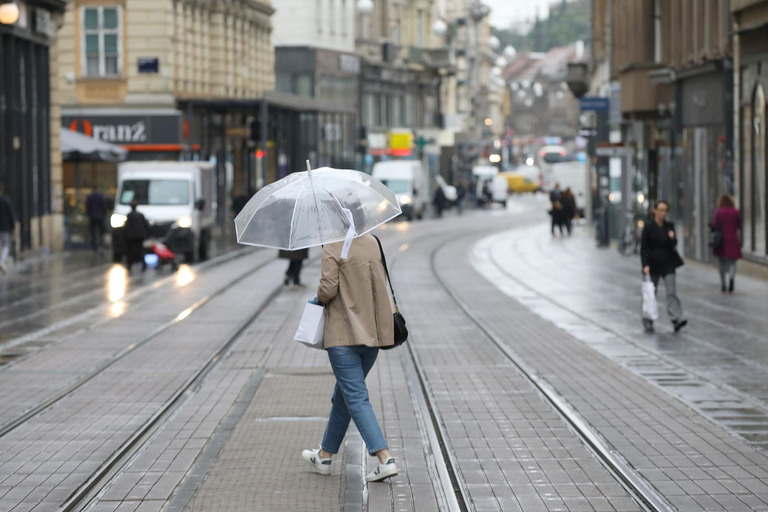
[
  {"x": 716, "y": 235},
  {"x": 401, "y": 331}
]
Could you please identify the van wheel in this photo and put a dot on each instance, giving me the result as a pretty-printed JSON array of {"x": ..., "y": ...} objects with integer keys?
[
  {"x": 117, "y": 257},
  {"x": 189, "y": 257}
]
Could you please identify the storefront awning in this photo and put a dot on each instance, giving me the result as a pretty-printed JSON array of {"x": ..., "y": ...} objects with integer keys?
[{"x": 76, "y": 147}]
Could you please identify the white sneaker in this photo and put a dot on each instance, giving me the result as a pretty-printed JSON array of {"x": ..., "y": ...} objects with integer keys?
[
  {"x": 322, "y": 466},
  {"x": 383, "y": 471}
]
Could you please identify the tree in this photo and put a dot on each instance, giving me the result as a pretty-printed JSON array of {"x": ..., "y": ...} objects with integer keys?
[{"x": 568, "y": 23}]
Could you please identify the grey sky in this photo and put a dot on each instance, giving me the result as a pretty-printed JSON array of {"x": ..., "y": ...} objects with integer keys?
[{"x": 505, "y": 12}]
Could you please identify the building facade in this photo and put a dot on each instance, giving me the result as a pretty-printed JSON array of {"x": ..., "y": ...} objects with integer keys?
[
  {"x": 133, "y": 73},
  {"x": 30, "y": 163},
  {"x": 750, "y": 78}
]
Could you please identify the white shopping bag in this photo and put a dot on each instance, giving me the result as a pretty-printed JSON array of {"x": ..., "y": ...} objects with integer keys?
[
  {"x": 311, "y": 326},
  {"x": 650, "y": 306}
]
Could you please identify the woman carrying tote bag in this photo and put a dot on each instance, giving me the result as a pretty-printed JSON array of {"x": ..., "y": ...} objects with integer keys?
[{"x": 358, "y": 322}]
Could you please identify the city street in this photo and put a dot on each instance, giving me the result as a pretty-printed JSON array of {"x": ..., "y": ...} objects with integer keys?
[{"x": 527, "y": 382}]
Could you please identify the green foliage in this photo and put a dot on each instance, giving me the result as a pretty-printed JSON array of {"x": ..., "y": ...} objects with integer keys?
[{"x": 567, "y": 24}]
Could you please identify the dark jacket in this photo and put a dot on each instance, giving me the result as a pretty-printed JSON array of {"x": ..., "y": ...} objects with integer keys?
[
  {"x": 658, "y": 250},
  {"x": 298, "y": 255},
  {"x": 136, "y": 227},
  {"x": 569, "y": 205},
  {"x": 729, "y": 220},
  {"x": 7, "y": 220},
  {"x": 96, "y": 206}
]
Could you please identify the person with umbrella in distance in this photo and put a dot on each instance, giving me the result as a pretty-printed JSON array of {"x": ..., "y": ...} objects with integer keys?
[{"x": 337, "y": 209}]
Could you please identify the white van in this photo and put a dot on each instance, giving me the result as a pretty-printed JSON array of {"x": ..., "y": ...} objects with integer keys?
[
  {"x": 410, "y": 183},
  {"x": 499, "y": 185},
  {"x": 573, "y": 175},
  {"x": 178, "y": 200}
]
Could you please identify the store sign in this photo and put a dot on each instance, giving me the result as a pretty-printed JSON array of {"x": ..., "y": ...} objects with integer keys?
[
  {"x": 44, "y": 23},
  {"x": 126, "y": 129},
  {"x": 332, "y": 132},
  {"x": 349, "y": 64}
]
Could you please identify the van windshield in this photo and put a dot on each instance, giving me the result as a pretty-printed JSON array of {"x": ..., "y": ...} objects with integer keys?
[
  {"x": 398, "y": 186},
  {"x": 155, "y": 192}
]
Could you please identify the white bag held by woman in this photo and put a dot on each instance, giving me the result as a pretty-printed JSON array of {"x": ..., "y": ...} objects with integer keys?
[
  {"x": 650, "y": 306},
  {"x": 311, "y": 326}
]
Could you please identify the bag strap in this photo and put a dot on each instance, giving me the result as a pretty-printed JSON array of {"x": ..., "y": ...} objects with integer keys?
[{"x": 386, "y": 270}]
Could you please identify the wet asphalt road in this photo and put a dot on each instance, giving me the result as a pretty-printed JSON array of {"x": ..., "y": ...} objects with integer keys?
[{"x": 53, "y": 289}]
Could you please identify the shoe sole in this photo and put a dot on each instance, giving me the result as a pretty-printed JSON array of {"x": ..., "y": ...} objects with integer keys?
[
  {"x": 383, "y": 475},
  {"x": 314, "y": 466}
]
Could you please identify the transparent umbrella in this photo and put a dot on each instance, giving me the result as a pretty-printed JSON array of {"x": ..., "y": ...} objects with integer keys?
[{"x": 315, "y": 207}]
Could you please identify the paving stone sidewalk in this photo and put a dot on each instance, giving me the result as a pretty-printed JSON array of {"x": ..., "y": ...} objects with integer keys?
[
  {"x": 693, "y": 463},
  {"x": 512, "y": 450},
  {"x": 45, "y": 459},
  {"x": 273, "y": 397}
]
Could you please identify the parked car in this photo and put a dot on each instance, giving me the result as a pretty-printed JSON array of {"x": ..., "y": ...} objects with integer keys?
[{"x": 519, "y": 184}]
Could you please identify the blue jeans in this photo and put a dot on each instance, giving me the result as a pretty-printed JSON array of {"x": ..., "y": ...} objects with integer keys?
[{"x": 350, "y": 399}]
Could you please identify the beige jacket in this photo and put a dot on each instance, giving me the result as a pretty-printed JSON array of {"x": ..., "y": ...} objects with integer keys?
[{"x": 354, "y": 290}]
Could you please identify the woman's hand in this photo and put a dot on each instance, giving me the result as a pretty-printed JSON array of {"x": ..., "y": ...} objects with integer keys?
[
  {"x": 647, "y": 270},
  {"x": 671, "y": 234}
]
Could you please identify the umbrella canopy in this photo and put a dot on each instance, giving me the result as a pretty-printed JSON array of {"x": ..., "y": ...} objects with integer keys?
[
  {"x": 76, "y": 147},
  {"x": 307, "y": 209}
]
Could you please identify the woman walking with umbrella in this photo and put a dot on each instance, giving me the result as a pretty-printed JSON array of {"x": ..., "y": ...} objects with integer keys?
[
  {"x": 358, "y": 321},
  {"x": 337, "y": 209}
]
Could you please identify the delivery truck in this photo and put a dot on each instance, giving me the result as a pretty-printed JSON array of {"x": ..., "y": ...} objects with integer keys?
[{"x": 178, "y": 200}]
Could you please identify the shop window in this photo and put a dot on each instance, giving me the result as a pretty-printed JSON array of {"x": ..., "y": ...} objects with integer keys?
[
  {"x": 305, "y": 85},
  {"x": 102, "y": 44}
]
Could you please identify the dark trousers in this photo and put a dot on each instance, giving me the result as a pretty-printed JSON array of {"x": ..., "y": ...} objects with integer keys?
[
  {"x": 97, "y": 234},
  {"x": 294, "y": 269},
  {"x": 136, "y": 253}
]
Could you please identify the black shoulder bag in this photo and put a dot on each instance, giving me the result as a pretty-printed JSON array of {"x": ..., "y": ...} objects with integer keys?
[{"x": 401, "y": 331}]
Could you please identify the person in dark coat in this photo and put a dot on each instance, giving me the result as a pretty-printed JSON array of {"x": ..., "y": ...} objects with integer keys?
[
  {"x": 568, "y": 200},
  {"x": 727, "y": 219},
  {"x": 96, "y": 208},
  {"x": 557, "y": 211},
  {"x": 296, "y": 260},
  {"x": 7, "y": 225},
  {"x": 660, "y": 259},
  {"x": 136, "y": 231},
  {"x": 439, "y": 201}
]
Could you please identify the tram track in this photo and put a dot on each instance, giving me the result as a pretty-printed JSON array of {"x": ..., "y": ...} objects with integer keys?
[
  {"x": 625, "y": 475},
  {"x": 81, "y": 498},
  {"x": 185, "y": 313},
  {"x": 89, "y": 295}
]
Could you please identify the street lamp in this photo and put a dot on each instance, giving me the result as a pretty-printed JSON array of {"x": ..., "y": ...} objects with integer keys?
[
  {"x": 9, "y": 13},
  {"x": 365, "y": 6},
  {"x": 440, "y": 28}
]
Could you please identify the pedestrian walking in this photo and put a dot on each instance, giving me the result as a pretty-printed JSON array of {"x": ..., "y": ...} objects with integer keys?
[
  {"x": 358, "y": 322},
  {"x": 660, "y": 260},
  {"x": 7, "y": 225},
  {"x": 556, "y": 209},
  {"x": 439, "y": 200},
  {"x": 136, "y": 231},
  {"x": 727, "y": 221},
  {"x": 461, "y": 194},
  {"x": 96, "y": 209},
  {"x": 295, "y": 262},
  {"x": 568, "y": 200}
]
